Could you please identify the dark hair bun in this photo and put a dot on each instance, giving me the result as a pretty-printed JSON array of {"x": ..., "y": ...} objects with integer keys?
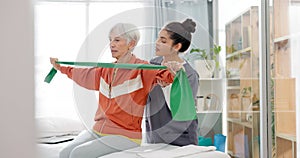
[{"x": 189, "y": 25}]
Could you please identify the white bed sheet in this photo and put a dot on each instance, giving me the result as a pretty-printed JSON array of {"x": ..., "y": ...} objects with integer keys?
[
  {"x": 52, "y": 151},
  {"x": 168, "y": 151}
]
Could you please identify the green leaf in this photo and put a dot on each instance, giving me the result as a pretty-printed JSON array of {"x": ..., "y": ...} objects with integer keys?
[{"x": 194, "y": 50}]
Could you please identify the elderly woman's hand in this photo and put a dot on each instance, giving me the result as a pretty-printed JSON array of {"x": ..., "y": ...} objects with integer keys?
[
  {"x": 162, "y": 83},
  {"x": 53, "y": 62}
]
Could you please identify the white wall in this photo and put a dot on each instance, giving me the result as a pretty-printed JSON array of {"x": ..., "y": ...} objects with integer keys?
[{"x": 16, "y": 79}]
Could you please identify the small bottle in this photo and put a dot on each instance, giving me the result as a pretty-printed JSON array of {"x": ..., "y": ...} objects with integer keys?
[{"x": 255, "y": 102}]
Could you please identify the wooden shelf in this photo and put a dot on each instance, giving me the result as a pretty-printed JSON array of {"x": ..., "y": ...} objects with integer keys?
[
  {"x": 210, "y": 79},
  {"x": 280, "y": 39},
  {"x": 238, "y": 121},
  {"x": 243, "y": 52},
  {"x": 233, "y": 87},
  {"x": 287, "y": 136}
]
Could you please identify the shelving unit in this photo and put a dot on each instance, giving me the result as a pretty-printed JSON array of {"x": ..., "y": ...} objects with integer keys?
[
  {"x": 242, "y": 70},
  {"x": 209, "y": 106},
  {"x": 284, "y": 83}
]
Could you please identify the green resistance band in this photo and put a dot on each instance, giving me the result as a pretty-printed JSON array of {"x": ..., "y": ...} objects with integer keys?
[
  {"x": 181, "y": 99},
  {"x": 53, "y": 71}
]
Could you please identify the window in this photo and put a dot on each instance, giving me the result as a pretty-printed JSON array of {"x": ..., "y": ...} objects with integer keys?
[{"x": 60, "y": 30}]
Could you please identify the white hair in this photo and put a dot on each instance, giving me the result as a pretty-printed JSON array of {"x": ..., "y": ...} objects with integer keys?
[{"x": 128, "y": 31}]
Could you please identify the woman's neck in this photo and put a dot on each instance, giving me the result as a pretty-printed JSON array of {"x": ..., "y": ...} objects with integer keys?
[
  {"x": 125, "y": 58},
  {"x": 173, "y": 58}
]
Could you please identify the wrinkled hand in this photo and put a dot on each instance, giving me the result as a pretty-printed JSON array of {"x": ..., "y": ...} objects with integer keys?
[
  {"x": 173, "y": 66},
  {"x": 162, "y": 83},
  {"x": 53, "y": 62}
]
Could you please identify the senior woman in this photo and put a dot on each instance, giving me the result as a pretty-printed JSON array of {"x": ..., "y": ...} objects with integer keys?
[{"x": 122, "y": 97}]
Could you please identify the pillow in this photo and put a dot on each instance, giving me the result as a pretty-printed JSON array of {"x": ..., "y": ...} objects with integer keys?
[{"x": 57, "y": 126}]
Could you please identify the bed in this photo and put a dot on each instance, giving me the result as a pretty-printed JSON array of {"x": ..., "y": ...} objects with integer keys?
[
  {"x": 49, "y": 150},
  {"x": 144, "y": 151},
  {"x": 54, "y": 135},
  {"x": 169, "y": 151}
]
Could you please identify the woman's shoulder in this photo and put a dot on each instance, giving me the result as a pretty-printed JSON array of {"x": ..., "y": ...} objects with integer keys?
[
  {"x": 140, "y": 61},
  {"x": 189, "y": 69},
  {"x": 156, "y": 60}
]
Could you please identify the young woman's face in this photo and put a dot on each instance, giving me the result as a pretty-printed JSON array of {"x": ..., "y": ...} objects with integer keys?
[
  {"x": 118, "y": 45},
  {"x": 164, "y": 44}
]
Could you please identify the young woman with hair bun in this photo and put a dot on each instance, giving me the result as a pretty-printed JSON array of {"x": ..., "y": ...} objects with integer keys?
[{"x": 174, "y": 38}]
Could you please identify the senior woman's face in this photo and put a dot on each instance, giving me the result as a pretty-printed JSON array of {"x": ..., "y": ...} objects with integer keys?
[
  {"x": 118, "y": 45},
  {"x": 164, "y": 44}
]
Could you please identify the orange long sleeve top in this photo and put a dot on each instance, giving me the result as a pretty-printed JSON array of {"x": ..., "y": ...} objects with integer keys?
[{"x": 122, "y": 95}]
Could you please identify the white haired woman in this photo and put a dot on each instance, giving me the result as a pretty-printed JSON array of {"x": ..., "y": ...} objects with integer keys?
[{"x": 122, "y": 97}]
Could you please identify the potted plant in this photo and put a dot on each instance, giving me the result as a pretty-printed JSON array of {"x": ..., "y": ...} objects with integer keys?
[{"x": 205, "y": 62}]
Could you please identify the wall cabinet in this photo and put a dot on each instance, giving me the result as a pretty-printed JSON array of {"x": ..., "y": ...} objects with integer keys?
[{"x": 242, "y": 73}]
